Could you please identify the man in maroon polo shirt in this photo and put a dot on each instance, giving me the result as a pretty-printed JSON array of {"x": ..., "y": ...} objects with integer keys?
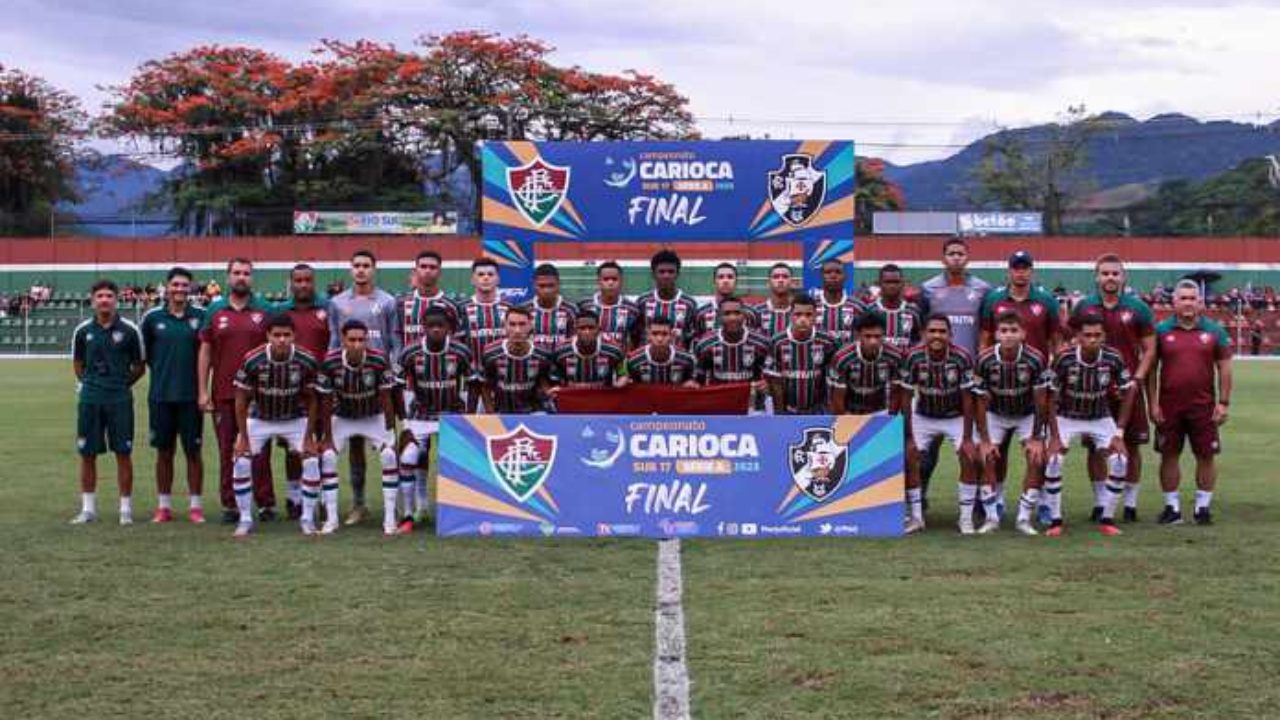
[
  {"x": 311, "y": 333},
  {"x": 1192, "y": 352},
  {"x": 233, "y": 325}
]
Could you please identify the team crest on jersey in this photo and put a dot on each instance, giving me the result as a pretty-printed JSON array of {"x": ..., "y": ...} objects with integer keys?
[
  {"x": 818, "y": 354},
  {"x": 1126, "y": 316},
  {"x": 953, "y": 375},
  {"x": 538, "y": 189},
  {"x": 321, "y": 315},
  {"x": 117, "y": 336},
  {"x": 160, "y": 326},
  {"x": 1205, "y": 338},
  {"x": 370, "y": 377},
  {"x": 295, "y": 376},
  {"x": 521, "y": 460},
  {"x": 882, "y": 373},
  {"x": 1037, "y": 310},
  {"x": 1024, "y": 375},
  {"x": 1104, "y": 376},
  {"x": 194, "y": 323},
  {"x": 256, "y": 318},
  {"x": 817, "y": 463},
  {"x": 797, "y": 188},
  {"x": 922, "y": 375}
]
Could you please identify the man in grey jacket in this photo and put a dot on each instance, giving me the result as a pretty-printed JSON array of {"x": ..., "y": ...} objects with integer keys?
[
  {"x": 376, "y": 308},
  {"x": 958, "y": 294}
]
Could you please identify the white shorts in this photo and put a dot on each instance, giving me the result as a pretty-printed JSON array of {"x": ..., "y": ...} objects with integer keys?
[
  {"x": 422, "y": 430},
  {"x": 1101, "y": 431},
  {"x": 373, "y": 427},
  {"x": 924, "y": 430},
  {"x": 999, "y": 427},
  {"x": 293, "y": 432}
]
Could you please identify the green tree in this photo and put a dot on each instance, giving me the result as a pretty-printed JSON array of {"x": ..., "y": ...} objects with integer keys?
[
  {"x": 39, "y": 128},
  {"x": 1036, "y": 169}
]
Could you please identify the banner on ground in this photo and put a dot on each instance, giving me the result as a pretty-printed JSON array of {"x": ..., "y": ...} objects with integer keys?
[
  {"x": 315, "y": 222},
  {"x": 667, "y": 476},
  {"x": 662, "y": 192}
]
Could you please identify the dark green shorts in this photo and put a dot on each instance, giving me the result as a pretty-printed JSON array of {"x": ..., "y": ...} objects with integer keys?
[
  {"x": 172, "y": 420},
  {"x": 103, "y": 426}
]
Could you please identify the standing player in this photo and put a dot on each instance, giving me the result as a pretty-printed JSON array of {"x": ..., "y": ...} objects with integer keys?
[
  {"x": 108, "y": 358},
  {"x": 587, "y": 361},
  {"x": 837, "y": 311},
  {"x": 1038, "y": 309},
  {"x": 435, "y": 372},
  {"x": 797, "y": 364},
  {"x": 551, "y": 316},
  {"x": 775, "y": 312},
  {"x": 275, "y": 399},
  {"x": 481, "y": 314},
  {"x": 355, "y": 385},
  {"x": 381, "y": 314},
  {"x": 426, "y": 293},
  {"x": 863, "y": 376},
  {"x": 731, "y": 353},
  {"x": 311, "y": 333},
  {"x": 1192, "y": 350},
  {"x": 659, "y": 362},
  {"x": 940, "y": 375},
  {"x": 1085, "y": 379},
  {"x": 958, "y": 294},
  {"x": 234, "y": 325},
  {"x": 619, "y": 318},
  {"x": 902, "y": 319},
  {"x": 171, "y": 335},
  {"x": 517, "y": 373},
  {"x": 725, "y": 285},
  {"x": 1130, "y": 328},
  {"x": 667, "y": 301},
  {"x": 1011, "y": 385}
]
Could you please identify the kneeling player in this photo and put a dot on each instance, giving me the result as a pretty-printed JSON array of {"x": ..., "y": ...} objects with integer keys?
[
  {"x": 1011, "y": 386},
  {"x": 940, "y": 374},
  {"x": 355, "y": 383},
  {"x": 275, "y": 399},
  {"x": 1084, "y": 381},
  {"x": 434, "y": 372},
  {"x": 863, "y": 376}
]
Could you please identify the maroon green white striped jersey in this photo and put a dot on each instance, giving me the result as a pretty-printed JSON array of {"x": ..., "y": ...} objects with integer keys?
[
  {"x": 772, "y": 321},
  {"x": 801, "y": 365},
  {"x": 515, "y": 378},
  {"x": 708, "y": 317},
  {"x": 551, "y": 326},
  {"x": 721, "y": 361},
  {"x": 435, "y": 379},
  {"x": 482, "y": 323},
  {"x": 902, "y": 324},
  {"x": 276, "y": 387},
  {"x": 356, "y": 389},
  {"x": 939, "y": 384},
  {"x": 413, "y": 312},
  {"x": 1084, "y": 389},
  {"x": 681, "y": 311},
  {"x": 867, "y": 381},
  {"x": 619, "y": 322},
  {"x": 1010, "y": 385},
  {"x": 642, "y": 368},
  {"x": 571, "y": 368},
  {"x": 837, "y": 320}
]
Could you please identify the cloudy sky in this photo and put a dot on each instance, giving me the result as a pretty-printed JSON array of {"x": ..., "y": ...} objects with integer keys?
[{"x": 909, "y": 80}]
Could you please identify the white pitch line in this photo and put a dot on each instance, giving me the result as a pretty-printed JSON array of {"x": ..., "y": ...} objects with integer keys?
[{"x": 670, "y": 673}]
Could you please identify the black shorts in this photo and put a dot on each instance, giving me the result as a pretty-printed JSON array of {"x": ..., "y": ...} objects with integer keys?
[
  {"x": 172, "y": 420},
  {"x": 103, "y": 426}
]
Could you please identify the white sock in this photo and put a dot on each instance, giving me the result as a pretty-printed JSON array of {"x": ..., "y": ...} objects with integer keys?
[
  {"x": 126, "y": 505},
  {"x": 990, "y": 502},
  {"x": 390, "y": 490},
  {"x": 330, "y": 493},
  {"x": 914, "y": 503},
  {"x": 1112, "y": 492},
  {"x": 1131, "y": 495},
  {"x": 310, "y": 496},
  {"x": 165, "y": 501},
  {"x": 242, "y": 485},
  {"x": 967, "y": 494},
  {"x": 999, "y": 494},
  {"x": 1099, "y": 493},
  {"x": 1027, "y": 503},
  {"x": 196, "y": 502},
  {"x": 408, "y": 486},
  {"x": 1053, "y": 497},
  {"x": 89, "y": 503},
  {"x": 294, "y": 491},
  {"x": 1171, "y": 500},
  {"x": 420, "y": 489},
  {"x": 1203, "y": 498}
]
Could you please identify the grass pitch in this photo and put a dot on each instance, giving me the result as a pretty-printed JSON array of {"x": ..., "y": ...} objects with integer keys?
[{"x": 179, "y": 621}]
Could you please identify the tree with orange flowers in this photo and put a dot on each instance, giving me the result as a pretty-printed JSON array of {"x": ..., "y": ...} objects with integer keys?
[
  {"x": 873, "y": 192},
  {"x": 39, "y": 127}
]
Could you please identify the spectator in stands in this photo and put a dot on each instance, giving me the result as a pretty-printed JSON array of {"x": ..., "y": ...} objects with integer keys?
[
  {"x": 337, "y": 287},
  {"x": 1256, "y": 332},
  {"x": 212, "y": 292}
]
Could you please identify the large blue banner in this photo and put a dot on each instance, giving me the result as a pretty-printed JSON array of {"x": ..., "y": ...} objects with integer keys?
[
  {"x": 665, "y": 476},
  {"x": 662, "y": 192}
]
